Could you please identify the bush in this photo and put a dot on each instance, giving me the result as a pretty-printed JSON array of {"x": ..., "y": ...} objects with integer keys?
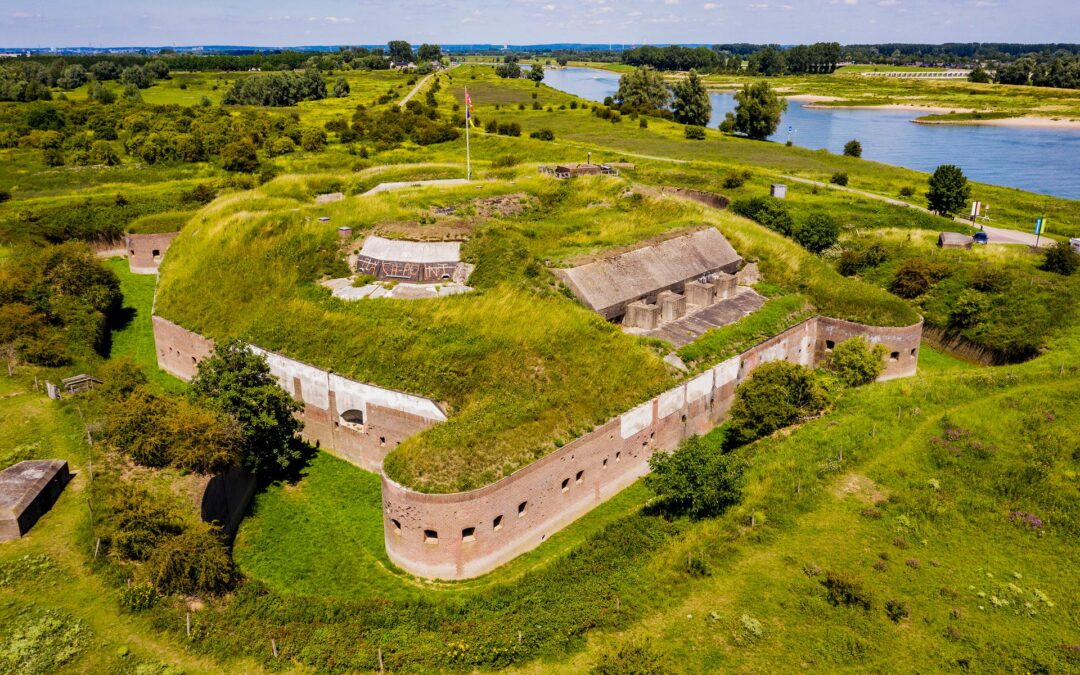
[
  {"x": 769, "y": 211},
  {"x": 907, "y": 191},
  {"x": 4, "y": 196},
  {"x": 853, "y": 148},
  {"x": 240, "y": 156},
  {"x": 697, "y": 478},
  {"x": 855, "y": 362},
  {"x": 193, "y": 562},
  {"x": 853, "y": 261},
  {"x": 969, "y": 309},
  {"x": 736, "y": 179},
  {"x": 138, "y": 597},
  {"x": 543, "y": 135},
  {"x": 504, "y": 162},
  {"x": 897, "y": 610},
  {"x": 694, "y": 133},
  {"x": 819, "y": 232},
  {"x": 915, "y": 276},
  {"x": 844, "y": 590},
  {"x": 643, "y": 123},
  {"x": 839, "y": 178},
  {"x": 776, "y": 395},
  {"x": 509, "y": 129},
  {"x": 131, "y": 521},
  {"x": 1060, "y": 259},
  {"x": 631, "y": 658}
]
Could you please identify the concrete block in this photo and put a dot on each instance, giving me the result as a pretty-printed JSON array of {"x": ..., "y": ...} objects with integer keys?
[
  {"x": 672, "y": 305},
  {"x": 748, "y": 275},
  {"x": 699, "y": 294},
  {"x": 724, "y": 284},
  {"x": 642, "y": 315}
]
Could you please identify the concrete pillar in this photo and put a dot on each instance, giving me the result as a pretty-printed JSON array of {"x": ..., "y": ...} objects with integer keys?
[
  {"x": 699, "y": 294},
  {"x": 641, "y": 315},
  {"x": 672, "y": 305},
  {"x": 724, "y": 284}
]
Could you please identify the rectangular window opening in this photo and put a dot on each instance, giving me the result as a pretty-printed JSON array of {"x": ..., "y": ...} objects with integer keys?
[
  {"x": 578, "y": 478},
  {"x": 913, "y": 350},
  {"x": 522, "y": 508},
  {"x": 618, "y": 456},
  {"x": 397, "y": 526},
  {"x": 605, "y": 463},
  {"x": 468, "y": 534},
  {"x": 895, "y": 356},
  {"x": 497, "y": 523},
  {"x": 565, "y": 484},
  {"x": 431, "y": 537},
  {"x": 829, "y": 344}
]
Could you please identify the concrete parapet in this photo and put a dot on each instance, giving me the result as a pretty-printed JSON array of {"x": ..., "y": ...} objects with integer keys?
[
  {"x": 642, "y": 315},
  {"x": 725, "y": 285},
  {"x": 672, "y": 305},
  {"x": 699, "y": 294}
]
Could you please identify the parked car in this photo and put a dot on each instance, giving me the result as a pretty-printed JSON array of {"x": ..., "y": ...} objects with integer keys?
[{"x": 981, "y": 238}]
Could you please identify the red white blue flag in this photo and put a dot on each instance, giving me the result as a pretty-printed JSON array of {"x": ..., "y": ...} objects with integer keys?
[{"x": 468, "y": 105}]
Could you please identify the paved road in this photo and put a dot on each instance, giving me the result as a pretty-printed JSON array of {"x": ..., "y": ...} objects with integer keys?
[{"x": 997, "y": 235}]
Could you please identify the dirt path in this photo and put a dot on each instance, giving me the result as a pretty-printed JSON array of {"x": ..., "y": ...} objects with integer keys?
[
  {"x": 997, "y": 235},
  {"x": 408, "y": 97}
]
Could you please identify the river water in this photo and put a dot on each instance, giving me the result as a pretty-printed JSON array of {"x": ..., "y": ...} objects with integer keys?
[{"x": 1039, "y": 160}]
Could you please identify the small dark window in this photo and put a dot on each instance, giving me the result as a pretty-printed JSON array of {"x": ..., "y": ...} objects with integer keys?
[
  {"x": 605, "y": 462},
  {"x": 521, "y": 508},
  {"x": 353, "y": 416},
  {"x": 578, "y": 477},
  {"x": 829, "y": 344},
  {"x": 156, "y": 253},
  {"x": 431, "y": 537},
  {"x": 397, "y": 526},
  {"x": 565, "y": 484},
  {"x": 382, "y": 441},
  {"x": 468, "y": 534},
  {"x": 497, "y": 523},
  {"x": 684, "y": 418},
  {"x": 913, "y": 350},
  {"x": 193, "y": 360},
  {"x": 895, "y": 356},
  {"x": 618, "y": 456}
]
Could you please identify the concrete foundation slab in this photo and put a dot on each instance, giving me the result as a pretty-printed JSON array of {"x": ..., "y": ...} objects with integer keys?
[{"x": 27, "y": 491}]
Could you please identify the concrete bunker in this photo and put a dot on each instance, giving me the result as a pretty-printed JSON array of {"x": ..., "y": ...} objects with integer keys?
[
  {"x": 579, "y": 169},
  {"x": 27, "y": 491},
  {"x": 415, "y": 262}
]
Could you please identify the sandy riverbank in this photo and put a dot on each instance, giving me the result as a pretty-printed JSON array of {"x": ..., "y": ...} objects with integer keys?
[
  {"x": 1027, "y": 121},
  {"x": 909, "y": 107}
]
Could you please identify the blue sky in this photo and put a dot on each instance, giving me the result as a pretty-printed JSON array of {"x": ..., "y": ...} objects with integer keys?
[{"x": 46, "y": 23}]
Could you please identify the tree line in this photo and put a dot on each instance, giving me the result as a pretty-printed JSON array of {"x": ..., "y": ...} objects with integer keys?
[{"x": 820, "y": 57}]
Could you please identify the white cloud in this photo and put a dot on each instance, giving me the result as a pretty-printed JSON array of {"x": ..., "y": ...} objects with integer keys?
[{"x": 710, "y": 6}]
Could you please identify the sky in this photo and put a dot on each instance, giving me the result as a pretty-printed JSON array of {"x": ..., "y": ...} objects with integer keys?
[{"x": 279, "y": 23}]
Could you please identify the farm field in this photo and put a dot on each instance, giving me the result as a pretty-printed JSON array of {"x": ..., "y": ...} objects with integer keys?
[{"x": 925, "y": 522}]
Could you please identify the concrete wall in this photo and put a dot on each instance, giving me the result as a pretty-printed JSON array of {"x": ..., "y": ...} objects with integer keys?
[
  {"x": 141, "y": 250},
  {"x": 379, "y": 419},
  {"x": 477, "y": 531}
]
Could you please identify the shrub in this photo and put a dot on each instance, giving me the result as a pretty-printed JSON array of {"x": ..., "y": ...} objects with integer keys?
[
  {"x": 915, "y": 276},
  {"x": 696, "y": 479},
  {"x": 631, "y": 658},
  {"x": 1060, "y": 259},
  {"x": 853, "y": 148},
  {"x": 839, "y": 178},
  {"x": 845, "y": 590},
  {"x": 769, "y": 211},
  {"x": 504, "y": 162},
  {"x": 643, "y": 123},
  {"x": 509, "y": 129},
  {"x": 855, "y": 362},
  {"x": 819, "y": 232},
  {"x": 543, "y": 135},
  {"x": 240, "y": 156},
  {"x": 853, "y": 261},
  {"x": 776, "y": 395},
  {"x": 969, "y": 309},
  {"x": 131, "y": 521},
  {"x": 4, "y": 196},
  {"x": 694, "y": 133},
  {"x": 897, "y": 610},
  {"x": 907, "y": 191},
  {"x": 138, "y": 597},
  {"x": 193, "y": 562},
  {"x": 736, "y": 179}
]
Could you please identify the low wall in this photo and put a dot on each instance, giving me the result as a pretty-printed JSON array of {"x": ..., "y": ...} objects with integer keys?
[
  {"x": 146, "y": 251},
  {"x": 464, "y": 535},
  {"x": 358, "y": 422},
  {"x": 707, "y": 198}
]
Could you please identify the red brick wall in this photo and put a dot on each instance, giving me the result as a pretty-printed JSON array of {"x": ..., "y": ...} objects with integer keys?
[{"x": 141, "y": 247}]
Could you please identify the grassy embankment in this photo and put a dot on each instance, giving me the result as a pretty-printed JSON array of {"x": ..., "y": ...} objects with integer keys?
[{"x": 518, "y": 388}]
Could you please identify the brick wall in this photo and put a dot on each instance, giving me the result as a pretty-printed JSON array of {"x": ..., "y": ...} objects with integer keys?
[
  {"x": 464, "y": 535},
  {"x": 145, "y": 251}
]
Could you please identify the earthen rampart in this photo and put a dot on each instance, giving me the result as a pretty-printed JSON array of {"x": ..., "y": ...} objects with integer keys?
[{"x": 464, "y": 535}]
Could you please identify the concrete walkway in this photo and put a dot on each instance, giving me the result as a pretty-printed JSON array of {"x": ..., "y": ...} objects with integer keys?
[
  {"x": 387, "y": 187},
  {"x": 996, "y": 235}
]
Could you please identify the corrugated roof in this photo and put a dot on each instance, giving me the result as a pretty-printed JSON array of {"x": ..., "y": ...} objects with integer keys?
[
  {"x": 611, "y": 281},
  {"x": 397, "y": 250}
]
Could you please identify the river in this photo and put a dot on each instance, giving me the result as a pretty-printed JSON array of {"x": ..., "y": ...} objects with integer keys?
[{"x": 1040, "y": 160}]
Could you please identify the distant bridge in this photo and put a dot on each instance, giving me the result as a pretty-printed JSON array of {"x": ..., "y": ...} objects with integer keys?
[{"x": 922, "y": 74}]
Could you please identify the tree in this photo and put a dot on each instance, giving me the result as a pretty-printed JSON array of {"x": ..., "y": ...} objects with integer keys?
[
  {"x": 136, "y": 76},
  {"x": 979, "y": 76},
  {"x": 697, "y": 478},
  {"x": 855, "y": 362},
  {"x": 341, "y": 88},
  {"x": 429, "y": 53},
  {"x": 400, "y": 52},
  {"x": 313, "y": 139},
  {"x": 1017, "y": 72},
  {"x": 105, "y": 70},
  {"x": 237, "y": 381},
  {"x": 536, "y": 73},
  {"x": 768, "y": 61},
  {"x": 949, "y": 190},
  {"x": 642, "y": 90},
  {"x": 240, "y": 156},
  {"x": 102, "y": 152},
  {"x": 1060, "y": 259},
  {"x": 73, "y": 77},
  {"x": 98, "y": 92},
  {"x": 853, "y": 148},
  {"x": 158, "y": 69},
  {"x": 819, "y": 232},
  {"x": 509, "y": 70},
  {"x": 691, "y": 104},
  {"x": 776, "y": 395},
  {"x": 757, "y": 111}
]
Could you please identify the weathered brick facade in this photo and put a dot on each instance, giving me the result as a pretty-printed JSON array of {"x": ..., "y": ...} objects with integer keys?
[{"x": 146, "y": 251}]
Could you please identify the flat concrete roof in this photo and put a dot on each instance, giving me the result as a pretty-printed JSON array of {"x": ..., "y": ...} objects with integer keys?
[
  {"x": 397, "y": 250},
  {"x": 607, "y": 283}
]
